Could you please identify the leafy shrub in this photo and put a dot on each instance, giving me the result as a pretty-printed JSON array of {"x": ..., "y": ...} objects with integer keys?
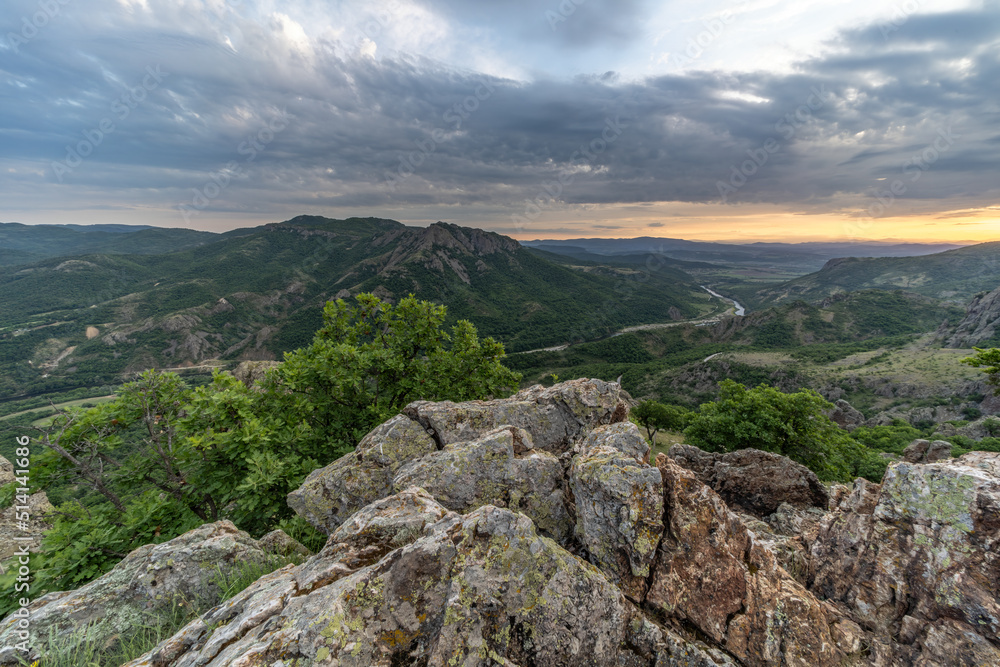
[{"x": 794, "y": 425}]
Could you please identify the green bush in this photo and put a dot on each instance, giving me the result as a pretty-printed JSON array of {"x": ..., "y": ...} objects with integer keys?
[
  {"x": 164, "y": 457},
  {"x": 794, "y": 425}
]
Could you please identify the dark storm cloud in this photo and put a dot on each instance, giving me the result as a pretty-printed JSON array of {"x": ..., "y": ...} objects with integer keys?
[{"x": 262, "y": 122}]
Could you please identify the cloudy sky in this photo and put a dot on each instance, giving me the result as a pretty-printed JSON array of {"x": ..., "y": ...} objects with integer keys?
[{"x": 700, "y": 119}]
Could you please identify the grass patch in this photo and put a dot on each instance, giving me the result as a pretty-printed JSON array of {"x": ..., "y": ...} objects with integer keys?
[{"x": 77, "y": 650}]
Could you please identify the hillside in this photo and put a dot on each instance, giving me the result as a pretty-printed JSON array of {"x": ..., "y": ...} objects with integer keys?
[
  {"x": 955, "y": 275},
  {"x": 24, "y": 244},
  {"x": 796, "y": 258},
  {"x": 255, "y": 293}
]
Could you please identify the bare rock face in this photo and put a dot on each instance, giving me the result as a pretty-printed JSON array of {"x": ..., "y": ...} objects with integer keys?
[
  {"x": 12, "y": 532},
  {"x": 330, "y": 495},
  {"x": 407, "y": 582},
  {"x": 545, "y": 421},
  {"x": 846, "y": 416},
  {"x": 752, "y": 480},
  {"x": 149, "y": 580},
  {"x": 619, "y": 506},
  {"x": 623, "y": 436},
  {"x": 502, "y": 469},
  {"x": 925, "y": 451},
  {"x": 712, "y": 572},
  {"x": 460, "y": 539},
  {"x": 555, "y": 416},
  {"x": 917, "y": 559}
]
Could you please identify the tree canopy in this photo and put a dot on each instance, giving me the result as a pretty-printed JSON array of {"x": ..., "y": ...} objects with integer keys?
[
  {"x": 164, "y": 457},
  {"x": 795, "y": 425}
]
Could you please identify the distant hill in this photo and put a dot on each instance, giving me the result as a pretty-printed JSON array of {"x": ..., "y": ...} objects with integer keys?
[
  {"x": 255, "y": 293},
  {"x": 802, "y": 257},
  {"x": 955, "y": 275},
  {"x": 24, "y": 244}
]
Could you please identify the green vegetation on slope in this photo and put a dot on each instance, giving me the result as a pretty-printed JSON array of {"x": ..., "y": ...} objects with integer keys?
[
  {"x": 955, "y": 275},
  {"x": 164, "y": 457}
]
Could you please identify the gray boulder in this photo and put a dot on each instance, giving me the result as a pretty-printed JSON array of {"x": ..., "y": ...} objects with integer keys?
[
  {"x": 330, "y": 495},
  {"x": 619, "y": 509},
  {"x": 480, "y": 589},
  {"x": 752, "y": 480},
  {"x": 925, "y": 451},
  {"x": 148, "y": 582},
  {"x": 488, "y": 471},
  {"x": 555, "y": 416}
]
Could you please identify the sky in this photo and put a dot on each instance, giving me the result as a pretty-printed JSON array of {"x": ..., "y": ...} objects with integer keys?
[{"x": 716, "y": 120}]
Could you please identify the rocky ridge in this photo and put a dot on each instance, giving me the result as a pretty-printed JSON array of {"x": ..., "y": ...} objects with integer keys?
[{"x": 536, "y": 530}]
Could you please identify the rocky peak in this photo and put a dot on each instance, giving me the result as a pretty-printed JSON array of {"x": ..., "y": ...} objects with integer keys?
[
  {"x": 535, "y": 530},
  {"x": 981, "y": 321}
]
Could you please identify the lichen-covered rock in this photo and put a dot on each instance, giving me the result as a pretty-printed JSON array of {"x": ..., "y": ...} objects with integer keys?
[
  {"x": 619, "y": 513},
  {"x": 712, "y": 572},
  {"x": 406, "y": 582},
  {"x": 330, "y": 495},
  {"x": 926, "y": 451},
  {"x": 755, "y": 481},
  {"x": 150, "y": 580},
  {"x": 14, "y": 531},
  {"x": 482, "y": 591},
  {"x": 467, "y": 475},
  {"x": 555, "y": 416},
  {"x": 924, "y": 545},
  {"x": 623, "y": 436},
  {"x": 279, "y": 543}
]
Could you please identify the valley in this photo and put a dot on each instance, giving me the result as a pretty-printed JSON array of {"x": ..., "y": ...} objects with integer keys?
[{"x": 885, "y": 333}]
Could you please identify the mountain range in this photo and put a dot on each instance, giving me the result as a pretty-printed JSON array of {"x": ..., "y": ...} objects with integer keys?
[
  {"x": 96, "y": 302},
  {"x": 255, "y": 293}
]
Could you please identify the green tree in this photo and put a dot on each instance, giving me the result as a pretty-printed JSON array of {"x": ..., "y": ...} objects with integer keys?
[
  {"x": 163, "y": 457},
  {"x": 370, "y": 359},
  {"x": 794, "y": 425},
  {"x": 989, "y": 362},
  {"x": 654, "y": 417}
]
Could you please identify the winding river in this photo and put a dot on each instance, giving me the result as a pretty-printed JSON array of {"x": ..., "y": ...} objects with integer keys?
[{"x": 740, "y": 310}]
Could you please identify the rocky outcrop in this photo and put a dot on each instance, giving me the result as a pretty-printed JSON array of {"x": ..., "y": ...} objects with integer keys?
[
  {"x": 712, "y": 572},
  {"x": 981, "y": 321},
  {"x": 407, "y": 582},
  {"x": 916, "y": 560},
  {"x": 925, "y": 451},
  {"x": 752, "y": 480},
  {"x": 330, "y": 495},
  {"x": 619, "y": 505},
  {"x": 148, "y": 582},
  {"x": 846, "y": 416},
  {"x": 501, "y": 468},
  {"x": 555, "y": 416},
  {"x": 15, "y": 533},
  {"x": 459, "y": 540},
  {"x": 518, "y": 469}
]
